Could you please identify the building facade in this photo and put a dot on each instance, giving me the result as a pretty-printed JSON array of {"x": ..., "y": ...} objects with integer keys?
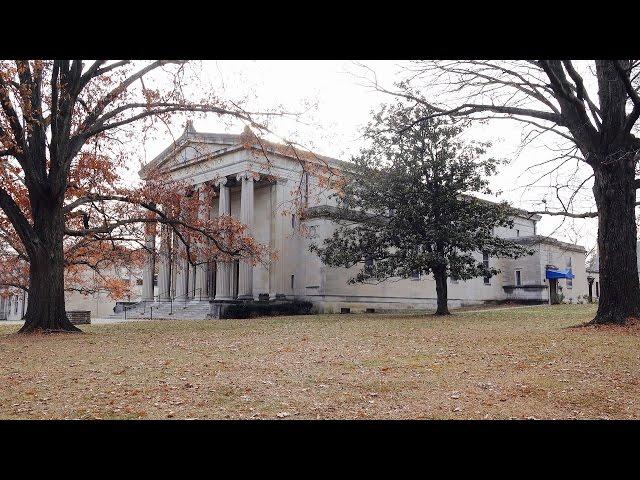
[
  {"x": 100, "y": 303},
  {"x": 255, "y": 183},
  {"x": 13, "y": 306}
]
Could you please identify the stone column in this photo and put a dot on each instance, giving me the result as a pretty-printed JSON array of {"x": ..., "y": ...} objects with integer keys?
[
  {"x": 280, "y": 196},
  {"x": 193, "y": 290},
  {"x": 200, "y": 283},
  {"x": 223, "y": 268},
  {"x": 150, "y": 263},
  {"x": 245, "y": 274},
  {"x": 182, "y": 268},
  {"x": 164, "y": 269}
]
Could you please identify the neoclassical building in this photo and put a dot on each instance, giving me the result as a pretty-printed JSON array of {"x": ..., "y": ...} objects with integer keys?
[{"x": 255, "y": 183}]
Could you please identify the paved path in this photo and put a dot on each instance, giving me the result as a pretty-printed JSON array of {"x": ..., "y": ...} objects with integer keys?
[
  {"x": 501, "y": 308},
  {"x": 94, "y": 321},
  {"x": 110, "y": 321}
]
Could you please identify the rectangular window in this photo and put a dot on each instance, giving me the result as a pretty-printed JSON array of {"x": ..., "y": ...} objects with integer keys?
[
  {"x": 485, "y": 261},
  {"x": 293, "y": 221},
  {"x": 518, "y": 278},
  {"x": 569, "y": 280},
  {"x": 293, "y": 277}
]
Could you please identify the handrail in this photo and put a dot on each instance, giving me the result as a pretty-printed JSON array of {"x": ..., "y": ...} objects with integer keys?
[
  {"x": 187, "y": 295},
  {"x": 160, "y": 294},
  {"x": 170, "y": 299}
]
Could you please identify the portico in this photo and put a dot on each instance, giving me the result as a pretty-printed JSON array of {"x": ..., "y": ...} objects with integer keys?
[{"x": 223, "y": 279}]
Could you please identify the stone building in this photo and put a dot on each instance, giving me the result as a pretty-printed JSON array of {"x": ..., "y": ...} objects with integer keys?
[
  {"x": 255, "y": 182},
  {"x": 99, "y": 304},
  {"x": 13, "y": 306}
]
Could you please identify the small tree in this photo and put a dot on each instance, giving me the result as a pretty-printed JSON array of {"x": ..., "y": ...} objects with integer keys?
[{"x": 405, "y": 209}]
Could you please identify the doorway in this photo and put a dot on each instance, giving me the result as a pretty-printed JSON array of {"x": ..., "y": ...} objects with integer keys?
[{"x": 553, "y": 291}]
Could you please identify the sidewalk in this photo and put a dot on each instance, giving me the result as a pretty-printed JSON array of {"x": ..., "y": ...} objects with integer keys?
[
  {"x": 94, "y": 321},
  {"x": 459, "y": 312}
]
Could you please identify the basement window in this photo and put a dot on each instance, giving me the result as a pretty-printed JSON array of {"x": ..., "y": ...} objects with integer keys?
[{"x": 345, "y": 310}]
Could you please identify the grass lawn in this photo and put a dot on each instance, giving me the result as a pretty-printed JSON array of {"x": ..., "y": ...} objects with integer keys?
[{"x": 518, "y": 363}]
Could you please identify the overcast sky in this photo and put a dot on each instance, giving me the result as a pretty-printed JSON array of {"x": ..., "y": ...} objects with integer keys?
[{"x": 341, "y": 104}]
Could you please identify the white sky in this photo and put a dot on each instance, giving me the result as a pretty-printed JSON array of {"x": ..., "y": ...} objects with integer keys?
[{"x": 341, "y": 107}]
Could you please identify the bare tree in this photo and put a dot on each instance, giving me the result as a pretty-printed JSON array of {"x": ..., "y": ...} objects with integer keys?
[{"x": 593, "y": 106}]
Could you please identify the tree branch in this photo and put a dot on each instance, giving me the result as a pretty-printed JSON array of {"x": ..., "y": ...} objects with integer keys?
[
  {"x": 633, "y": 95},
  {"x": 569, "y": 214},
  {"x": 20, "y": 224}
]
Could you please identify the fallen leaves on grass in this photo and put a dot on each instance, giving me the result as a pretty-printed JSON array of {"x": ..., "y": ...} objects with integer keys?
[{"x": 520, "y": 363}]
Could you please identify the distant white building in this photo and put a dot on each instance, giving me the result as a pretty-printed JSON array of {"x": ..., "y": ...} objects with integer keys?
[
  {"x": 14, "y": 306},
  {"x": 100, "y": 304},
  {"x": 254, "y": 189}
]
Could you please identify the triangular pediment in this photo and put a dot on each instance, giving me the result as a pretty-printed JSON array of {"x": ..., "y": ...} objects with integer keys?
[
  {"x": 190, "y": 149},
  {"x": 197, "y": 147},
  {"x": 191, "y": 152}
]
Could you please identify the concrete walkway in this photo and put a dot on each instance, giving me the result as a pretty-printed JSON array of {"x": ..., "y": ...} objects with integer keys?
[
  {"x": 500, "y": 308},
  {"x": 111, "y": 321},
  {"x": 94, "y": 321}
]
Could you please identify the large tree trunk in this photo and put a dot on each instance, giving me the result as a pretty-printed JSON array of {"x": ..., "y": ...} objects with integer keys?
[
  {"x": 46, "y": 307},
  {"x": 615, "y": 195},
  {"x": 440, "y": 276}
]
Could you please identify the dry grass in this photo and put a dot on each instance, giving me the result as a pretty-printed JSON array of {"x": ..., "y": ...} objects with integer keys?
[{"x": 518, "y": 363}]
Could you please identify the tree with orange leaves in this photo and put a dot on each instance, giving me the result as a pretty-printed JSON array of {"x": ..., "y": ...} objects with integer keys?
[{"x": 64, "y": 206}]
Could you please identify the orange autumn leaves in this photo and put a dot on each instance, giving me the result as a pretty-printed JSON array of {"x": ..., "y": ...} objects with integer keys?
[{"x": 69, "y": 131}]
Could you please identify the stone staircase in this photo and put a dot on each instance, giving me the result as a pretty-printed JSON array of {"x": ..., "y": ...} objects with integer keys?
[{"x": 164, "y": 309}]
